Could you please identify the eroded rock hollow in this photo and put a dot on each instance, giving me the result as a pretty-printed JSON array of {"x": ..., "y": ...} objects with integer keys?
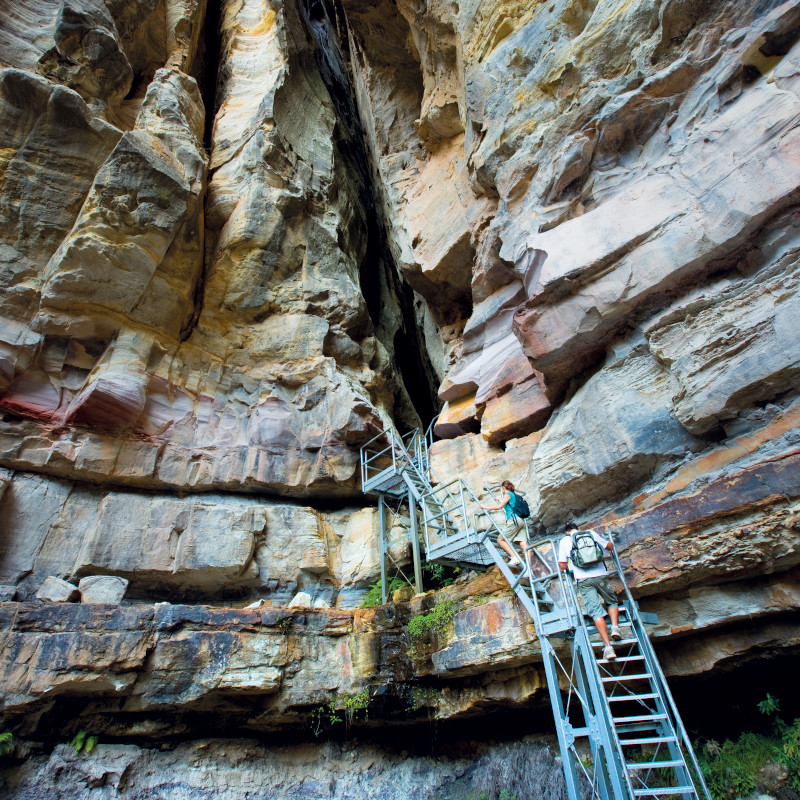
[{"x": 240, "y": 238}]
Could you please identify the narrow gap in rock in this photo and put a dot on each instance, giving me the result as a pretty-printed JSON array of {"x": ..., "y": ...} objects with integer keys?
[
  {"x": 208, "y": 77},
  {"x": 206, "y": 73},
  {"x": 377, "y": 272}
]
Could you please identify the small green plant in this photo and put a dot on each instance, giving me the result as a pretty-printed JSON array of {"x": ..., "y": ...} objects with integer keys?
[
  {"x": 424, "y": 697},
  {"x": 791, "y": 752},
  {"x": 506, "y": 795},
  {"x": 325, "y": 716},
  {"x": 789, "y": 736},
  {"x": 438, "y": 576},
  {"x": 6, "y": 743},
  {"x": 731, "y": 769},
  {"x": 81, "y": 743},
  {"x": 284, "y": 623},
  {"x": 769, "y": 705},
  {"x": 712, "y": 748},
  {"x": 356, "y": 703},
  {"x": 437, "y": 620},
  {"x": 374, "y": 595}
]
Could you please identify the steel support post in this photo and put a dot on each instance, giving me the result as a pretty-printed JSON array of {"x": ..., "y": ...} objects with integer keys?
[
  {"x": 563, "y": 726},
  {"x": 414, "y": 534},
  {"x": 382, "y": 527}
]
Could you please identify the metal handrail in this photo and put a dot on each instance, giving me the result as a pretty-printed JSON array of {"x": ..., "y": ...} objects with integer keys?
[
  {"x": 567, "y": 591},
  {"x": 429, "y": 429},
  {"x": 452, "y": 503},
  {"x": 404, "y": 447}
]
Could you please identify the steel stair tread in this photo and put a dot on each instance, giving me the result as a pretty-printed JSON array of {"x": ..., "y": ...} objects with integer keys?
[
  {"x": 655, "y": 728},
  {"x": 619, "y": 659},
  {"x": 661, "y": 790},
  {"x": 648, "y": 740},
  {"x": 640, "y": 676},
  {"x": 635, "y": 765},
  {"x": 630, "y": 698},
  {"x": 615, "y": 642},
  {"x": 638, "y": 718}
]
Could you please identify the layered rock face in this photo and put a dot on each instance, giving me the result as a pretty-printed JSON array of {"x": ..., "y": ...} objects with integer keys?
[
  {"x": 178, "y": 322},
  {"x": 241, "y": 239}
]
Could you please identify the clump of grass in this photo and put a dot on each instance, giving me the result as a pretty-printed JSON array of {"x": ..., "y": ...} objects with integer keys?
[
  {"x": 731, "y": 769},
  {"x": 373, "y": 596},
  {"x": 734, "y": 768},
  {"x": 437, "y": 620},
  {"x": 356, "y": 703}
]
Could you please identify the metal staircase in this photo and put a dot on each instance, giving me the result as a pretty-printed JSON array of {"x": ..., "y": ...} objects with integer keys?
[
  {"x": 620, "y": 711},
  {"x": 619, "y": 732},
  {"x": 399, "y": 467}
]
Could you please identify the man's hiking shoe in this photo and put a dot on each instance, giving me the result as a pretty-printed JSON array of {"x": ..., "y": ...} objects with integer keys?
[
  {"x": 608, "y": 653},
  {"x": 615, "y": 632}
]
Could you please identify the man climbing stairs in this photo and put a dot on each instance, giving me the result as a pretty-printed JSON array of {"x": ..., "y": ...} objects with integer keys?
[{"x": 619, "y": 731}]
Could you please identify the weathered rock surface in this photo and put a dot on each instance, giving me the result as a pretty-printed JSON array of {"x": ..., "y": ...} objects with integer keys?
[
  {"x": 259, "y": 669},
  {"x": 280, "y": 376},
  {"x": 737, "y": 346},
  {"x": 55, "y": 590},
  {"x": 205, "y": 546},
  {"x": 226, "y": 233},
  {"x": 617, "y": 425},
  {"x": 235, "y": 770}
]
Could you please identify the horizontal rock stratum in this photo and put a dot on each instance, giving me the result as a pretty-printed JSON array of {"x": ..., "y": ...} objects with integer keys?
[{"x": 238, "y": 240}]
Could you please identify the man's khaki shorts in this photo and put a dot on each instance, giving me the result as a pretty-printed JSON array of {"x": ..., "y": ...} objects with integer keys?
[{"x": 591, "y": 590}]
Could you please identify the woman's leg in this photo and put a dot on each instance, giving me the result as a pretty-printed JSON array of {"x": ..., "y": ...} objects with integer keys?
[
  {"x": 510, "y": 534},
  {"x": 507, "y": 547}
]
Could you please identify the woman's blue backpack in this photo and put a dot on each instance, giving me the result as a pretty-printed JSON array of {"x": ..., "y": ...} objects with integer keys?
[{"x": 519, "y": 505}]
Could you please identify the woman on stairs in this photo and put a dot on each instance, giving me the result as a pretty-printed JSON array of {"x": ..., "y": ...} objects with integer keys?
[{"x": 515, "y": 528}]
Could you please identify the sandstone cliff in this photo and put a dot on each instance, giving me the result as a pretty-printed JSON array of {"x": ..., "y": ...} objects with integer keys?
[{"x": 239, "y": 239}]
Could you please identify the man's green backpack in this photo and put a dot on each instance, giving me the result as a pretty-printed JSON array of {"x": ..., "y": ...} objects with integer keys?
[{"x": 585, "y": 550}]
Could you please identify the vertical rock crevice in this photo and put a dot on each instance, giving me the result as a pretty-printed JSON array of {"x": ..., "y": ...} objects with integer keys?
[
  {"x": 205, "y": 70},
  {"x": 389, "y": 300}
]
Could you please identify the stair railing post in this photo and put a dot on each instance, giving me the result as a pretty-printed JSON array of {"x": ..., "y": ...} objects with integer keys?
[
  {"x": 382, "y": 529},
  {"x": 414, "y": 534},
  {"x": 464, "y": 517}
]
